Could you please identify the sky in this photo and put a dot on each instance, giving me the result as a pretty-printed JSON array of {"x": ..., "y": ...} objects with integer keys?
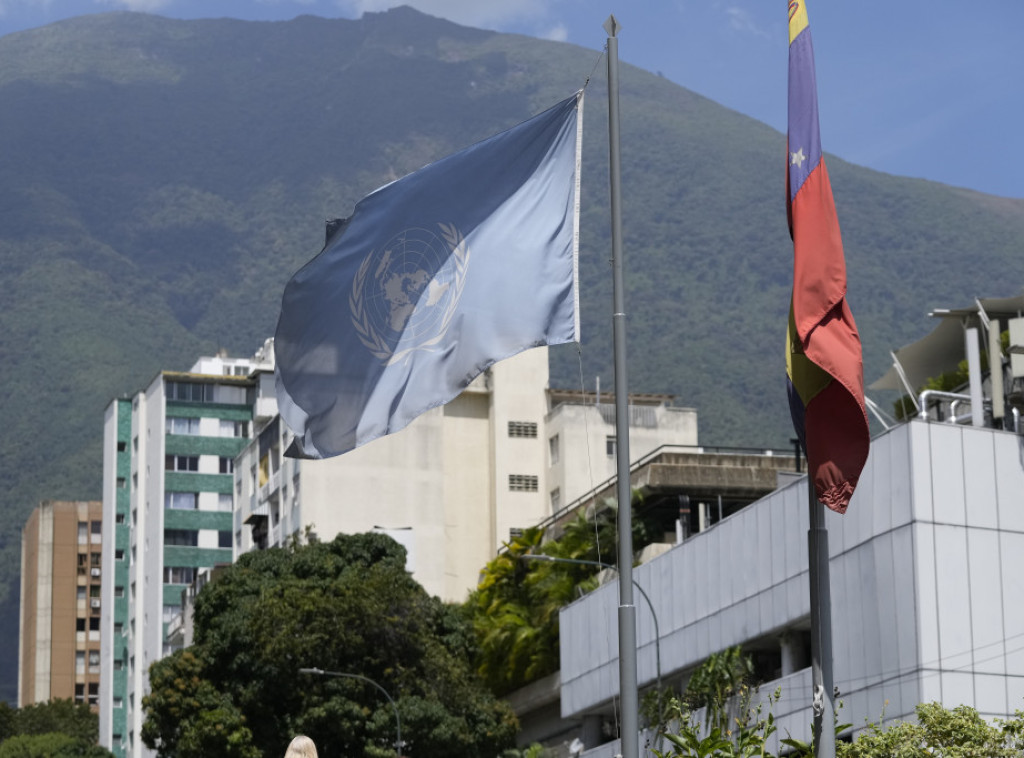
[{"x": 930, "y": 89}]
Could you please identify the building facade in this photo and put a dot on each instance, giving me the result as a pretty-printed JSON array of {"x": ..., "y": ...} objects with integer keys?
[
  {"x": 457, "y": 483},
  {"x": 927, "y": 572},
  {"x": 61, "y": 566},
  {"x": 169, "y": 454},
  {"x": 451, "y": 487}
]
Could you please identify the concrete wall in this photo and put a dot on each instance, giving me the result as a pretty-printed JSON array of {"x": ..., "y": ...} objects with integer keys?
[{"x": 926, "y": 577}]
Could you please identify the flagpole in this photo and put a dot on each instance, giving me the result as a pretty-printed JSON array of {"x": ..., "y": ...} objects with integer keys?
[
  {"x": 823, "y": 703},
  {"x": 628, "y": 697}
]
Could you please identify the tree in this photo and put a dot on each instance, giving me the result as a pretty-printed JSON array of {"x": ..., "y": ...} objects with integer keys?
[
  {"x": 515, "y": 607},
  {"x": 54, "y": 729},
  {"x": 64, "y": 716},
  {"x": 940, "y": 733},
  {"x": 347, "y": 606},
  {"x": 50, "y": 745}
]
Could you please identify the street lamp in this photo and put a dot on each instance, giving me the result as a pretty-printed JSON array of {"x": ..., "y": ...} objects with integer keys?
[
  {"x": 650, "y": 605},
  {"x": 398, "y": 721}
]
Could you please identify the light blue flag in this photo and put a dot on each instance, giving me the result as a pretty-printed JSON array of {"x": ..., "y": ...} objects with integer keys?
[{"x": 433, "y": 278}]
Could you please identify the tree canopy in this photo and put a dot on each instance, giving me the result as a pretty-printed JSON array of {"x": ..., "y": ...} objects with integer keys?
[
  {"x": 54, "y": 729},
  {"x": 347, "y": 606}
]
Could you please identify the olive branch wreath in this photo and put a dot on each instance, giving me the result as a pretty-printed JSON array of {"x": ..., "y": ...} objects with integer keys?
[{"x": 361, "y": 321}]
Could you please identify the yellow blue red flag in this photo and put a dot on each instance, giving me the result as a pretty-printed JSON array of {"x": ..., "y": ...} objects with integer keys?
[{"x": 823, "y": 352}]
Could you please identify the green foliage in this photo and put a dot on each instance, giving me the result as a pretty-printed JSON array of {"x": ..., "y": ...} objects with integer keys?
[
  {"x": 61, "y": 715},
  {"x": 53, "y": 745},
  {"x": 515, "y": 606},
  {"x": 746, "y": 736},
  {"x": 346, "y": 606},
  {"x": 186, "y": 717},
  {"x": 159, "y": 224},
  {"x": 7, "y": 716},
  {"x": 54, "y": 729},
  {"x": 722, "y": 676},
  {"x": 939, "y": 733}
]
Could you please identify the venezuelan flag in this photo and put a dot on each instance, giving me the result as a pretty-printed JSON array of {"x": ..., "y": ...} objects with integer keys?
[{"x": 823, "y": 354}]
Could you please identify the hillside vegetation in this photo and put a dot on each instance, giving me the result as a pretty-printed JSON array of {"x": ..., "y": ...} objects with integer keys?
[{"x": 161, "y": 180}]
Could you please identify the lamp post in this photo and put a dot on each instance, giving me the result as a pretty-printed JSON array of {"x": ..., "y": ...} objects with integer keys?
[
  {"x": 339, "y": 674},
  {"x": 650, "y": 605}
]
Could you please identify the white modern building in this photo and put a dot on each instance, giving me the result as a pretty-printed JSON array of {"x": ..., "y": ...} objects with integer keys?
[
  {"x": 927, "y": 565},
  {"x": 168, "y": 456},
  {"x": 456, "y": 483},
  {"x": 927, "y": 571}
]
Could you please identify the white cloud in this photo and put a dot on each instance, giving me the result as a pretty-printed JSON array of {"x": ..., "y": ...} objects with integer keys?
[
  {"x": 145, "y": 6},
  {"x": 556, "y": 33},
  {"x": 742, "y": 21},
  {"x": 487, "y": 14}
]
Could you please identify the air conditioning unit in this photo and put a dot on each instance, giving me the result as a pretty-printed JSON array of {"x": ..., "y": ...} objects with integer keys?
[
  {"x": 95, "y": 572},
  {"x": 95, "y": 603}
]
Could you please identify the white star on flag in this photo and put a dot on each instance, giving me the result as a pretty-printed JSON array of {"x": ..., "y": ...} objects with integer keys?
[{"x": 798, "y": 158}]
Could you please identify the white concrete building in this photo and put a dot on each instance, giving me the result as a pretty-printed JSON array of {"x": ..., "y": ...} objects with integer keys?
[
  {"x": 454, "y": 485},
  {"x": 927, "y": 576},
  {"x": 168, "y": 454}
]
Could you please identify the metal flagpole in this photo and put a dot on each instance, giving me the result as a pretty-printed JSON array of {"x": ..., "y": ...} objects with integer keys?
[
  {"x": 628, "y": 697},
  {"x": 824, "y": 736}
]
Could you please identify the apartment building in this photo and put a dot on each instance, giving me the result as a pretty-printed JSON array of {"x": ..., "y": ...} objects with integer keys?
[{"x": 61, "y": 573}]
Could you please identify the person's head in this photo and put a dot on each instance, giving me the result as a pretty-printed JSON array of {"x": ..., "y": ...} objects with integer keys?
[{"x": 301, "y": 747}]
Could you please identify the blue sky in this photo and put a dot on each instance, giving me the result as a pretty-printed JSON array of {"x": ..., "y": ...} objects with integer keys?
[{"x": 924, "y": 88}]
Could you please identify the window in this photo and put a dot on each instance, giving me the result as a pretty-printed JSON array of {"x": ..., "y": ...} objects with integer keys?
[
  {"x": 171, "y": 612},
  {"x": 227, "y": 465},
  {"x": 177, "y": 425},
  {"x": 224, "y": 502},
  {"x": 522, "y": 482},
  {"x": 122, "y": 482},
  {"x": 224, "y": 538},
  {"x": 122, "y": 446},
  {"x": 553, "y": 450},
  {"x": 609, "y": 446},
  {"x": 95, "y": 559},
  {"x": 118, "y": 703},
  {"x": 79, "y": 661},
  {"x": 556, "y": 499},
  {"x": 119, "y": 591},
  {"x": 83, "y": 532},
  {"x": 94, "y": 658},
  {"x": 233, "y": 428},
  {"x": 192, "y": 392},
  {"x": 181, "y": 462},
  {"x": 119, "y": 518},
  {"x": 79, "y": 693},
  {"x": 96, "y": 528},
  {"x": 522, "y": 428},
  {"x": 79, "y": 625},
  {"x": 81, "y": 593},
  {"x": 94, "y": 591},
  {"x": 186, "y": 537},
  {"x": 118, "y": 664},
  {"x": 179, "y": 574},
  {"x": 118, "y": 629},
  {"x": 119, "y": 554},
  {"x": 181, "y": 501},
  {"x": 94, "y": 623},
  {"x": 94, "y": 693}
]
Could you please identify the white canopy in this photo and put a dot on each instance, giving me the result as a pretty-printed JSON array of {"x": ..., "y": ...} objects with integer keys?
[{"x": 943, "y": 349}]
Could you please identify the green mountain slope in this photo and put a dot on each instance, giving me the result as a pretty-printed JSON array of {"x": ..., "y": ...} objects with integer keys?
[{"x": 160, "y": 180}]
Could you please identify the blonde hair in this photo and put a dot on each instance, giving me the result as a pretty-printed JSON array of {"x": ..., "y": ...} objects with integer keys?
[{"x": 301, "y": 747}]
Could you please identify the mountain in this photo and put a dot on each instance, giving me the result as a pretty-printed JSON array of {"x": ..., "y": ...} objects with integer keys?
[{"x": 161, "y": 180}]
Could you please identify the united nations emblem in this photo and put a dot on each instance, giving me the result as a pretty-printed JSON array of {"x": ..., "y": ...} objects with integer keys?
[{"x": 405, "y": 293}]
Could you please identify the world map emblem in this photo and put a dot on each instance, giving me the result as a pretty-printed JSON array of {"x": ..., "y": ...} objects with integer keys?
[{"x": 405, "y": 292}]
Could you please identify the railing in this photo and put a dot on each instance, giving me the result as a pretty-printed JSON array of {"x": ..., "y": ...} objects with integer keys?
[{"x": 650, "y": 458}]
